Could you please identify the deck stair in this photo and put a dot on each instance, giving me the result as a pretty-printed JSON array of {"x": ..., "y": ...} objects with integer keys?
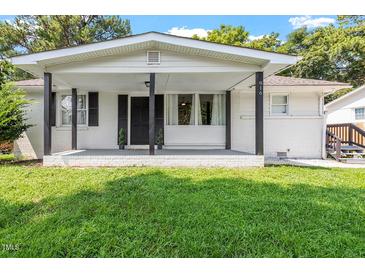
[{"x": 346, "y": 143}]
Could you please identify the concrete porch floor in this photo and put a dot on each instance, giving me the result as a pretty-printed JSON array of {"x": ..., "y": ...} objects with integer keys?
[{"x": 162, "y": 158}]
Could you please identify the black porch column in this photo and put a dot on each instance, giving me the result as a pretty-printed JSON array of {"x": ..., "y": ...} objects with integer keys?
[
  {"x": 228, "y": 119},
  {"x": 47, "y": 129},
  {"x": 74, "y": 119},
  {"x": 259, "y": 113},
  {"x": 151, "y": 131}
]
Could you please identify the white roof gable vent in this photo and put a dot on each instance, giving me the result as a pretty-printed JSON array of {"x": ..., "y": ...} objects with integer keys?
[{"x": 153, "y": 58}]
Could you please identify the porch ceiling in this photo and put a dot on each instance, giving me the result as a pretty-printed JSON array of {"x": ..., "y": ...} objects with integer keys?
[{"x": 164, "y": 81}]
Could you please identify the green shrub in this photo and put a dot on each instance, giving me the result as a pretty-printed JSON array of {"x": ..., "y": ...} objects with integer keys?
[
  {"x": 12, "y": 113},
  {"x": 159, "y": 139},
  {"x": 122, "y": 137}
]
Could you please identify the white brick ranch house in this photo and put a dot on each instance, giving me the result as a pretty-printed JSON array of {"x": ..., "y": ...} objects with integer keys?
[{"x": 207, "y": 104}]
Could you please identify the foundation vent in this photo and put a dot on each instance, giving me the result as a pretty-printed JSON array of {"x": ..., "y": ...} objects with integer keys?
[{"x": 282, "y": 154}]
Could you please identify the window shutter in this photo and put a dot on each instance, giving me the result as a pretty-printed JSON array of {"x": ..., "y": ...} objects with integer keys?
[
  {"x": 93, "y": 109},
  {"x": 159, "y": 115},
  {"x": 122, "y": 116},
  {"x": 53, "y": 109}
]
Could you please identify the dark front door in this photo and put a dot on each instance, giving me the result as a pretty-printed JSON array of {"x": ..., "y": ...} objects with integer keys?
[{"x": 139, "y": 120}]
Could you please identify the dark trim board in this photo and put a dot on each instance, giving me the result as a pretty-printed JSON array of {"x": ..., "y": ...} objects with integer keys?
[
  {"x": 228, "y": 119},
  {"x": 151, "y": 131},
  {"x": 159, "y": 116},
  {"x": 74, "y": 119},
  {"x": 47, "y": 130},
  {"x": 53, "y": 109},
  {"x": 259, "y": 113}
]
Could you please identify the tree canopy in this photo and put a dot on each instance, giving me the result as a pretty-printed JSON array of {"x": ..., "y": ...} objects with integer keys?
[
  {"x": 226, "y": 34},
  {"x": 334, "y": 52},
  {"x": 329, "y": 53},
  {"x": 29, "y": 34},
  {"x": 270, "y": 42},
  {"x": 6, "y": 72}
]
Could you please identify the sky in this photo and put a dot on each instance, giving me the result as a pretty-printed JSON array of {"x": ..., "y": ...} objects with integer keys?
[{"x": 189, "y": 25}]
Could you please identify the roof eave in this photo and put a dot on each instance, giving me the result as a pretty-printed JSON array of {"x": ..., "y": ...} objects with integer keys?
[
  {"x": 351, "y": 93},
  {"x": 33, "y": 59}
]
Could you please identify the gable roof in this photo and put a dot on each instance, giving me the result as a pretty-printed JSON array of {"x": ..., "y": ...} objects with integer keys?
[
  {"x": 269, "y": 81},
  {"x": 152, "y": 36},
  {"x": 270, "y": 61},
  {"x": 292, "y": 81},
  {"x": 30, "y": 83},
  {"x": 158, "y": 33},
  {"x": 352, "y": 96}
]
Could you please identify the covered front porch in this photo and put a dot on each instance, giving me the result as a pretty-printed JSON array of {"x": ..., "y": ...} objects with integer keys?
[
  {"x": 184, "y": 119},
  {"x": 156, "y": 89},
  {"x": 161, "y": 158}
]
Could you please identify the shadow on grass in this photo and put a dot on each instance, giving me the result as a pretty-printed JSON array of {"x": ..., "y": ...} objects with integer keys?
[
  {"x": 157, "y": 215},
  {"x": 298, "y": 166},
  {"x": 15, "y": 162}
]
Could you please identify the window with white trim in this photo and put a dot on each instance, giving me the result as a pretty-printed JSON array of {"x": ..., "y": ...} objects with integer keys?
[
  {"x": 66, "y": 110},
  {"x": 196, "y": 109},
  {"x": 360, "y": 113},
  {"x": 180, "y": 109},
  {"x": 279, "y": 104},
  {"x": 211, "y": 109}
]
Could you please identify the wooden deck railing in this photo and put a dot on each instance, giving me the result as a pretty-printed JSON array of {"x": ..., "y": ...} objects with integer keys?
[
  {"x": 333, "y": 144},
  {"x": 348, "y": 133}
]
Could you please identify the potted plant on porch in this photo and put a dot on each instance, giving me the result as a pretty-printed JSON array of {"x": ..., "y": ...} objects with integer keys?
[
  {"x": 121, "y": 138},
  {"x": 159, "y": 139}
]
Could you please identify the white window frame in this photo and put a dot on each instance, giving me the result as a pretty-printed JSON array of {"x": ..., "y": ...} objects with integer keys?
[
  {"x": 287, "y": 104},
  {"x": 86, "y": 109},
  {"x": 195, "y": 94},
  {"x": 362, "y": 119},
  {"x": 166, "y": 108}
]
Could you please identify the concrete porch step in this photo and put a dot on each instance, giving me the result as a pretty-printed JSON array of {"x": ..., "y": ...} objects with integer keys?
[
  {"x": 163, "y": 158},
  {"x": 353, "y": 160}
]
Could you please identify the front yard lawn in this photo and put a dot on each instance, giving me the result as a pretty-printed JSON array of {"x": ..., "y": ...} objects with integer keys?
[
  {"x": 150, "y": 212},
  {"x": 6, "y": 157}
]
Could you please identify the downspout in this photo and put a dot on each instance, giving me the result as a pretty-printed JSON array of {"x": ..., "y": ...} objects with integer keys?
[{"x": 323, "y": 113}]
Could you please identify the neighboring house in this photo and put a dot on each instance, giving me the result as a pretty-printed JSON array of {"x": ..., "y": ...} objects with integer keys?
[
  {"x": 349, "y": 108},
  {"x": 206, "y": 98},
  {"x": 345, "y": 118}
]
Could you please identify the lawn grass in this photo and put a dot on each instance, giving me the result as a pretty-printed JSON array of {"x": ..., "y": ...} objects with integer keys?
[
  {"x": 151, "y": 212},
  {"x": 6, "y": 157}
]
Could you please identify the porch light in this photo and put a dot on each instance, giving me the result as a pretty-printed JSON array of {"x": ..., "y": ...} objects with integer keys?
[
  {"x": 147, "y": 83},
  {"x": 183, "y": 104}
]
